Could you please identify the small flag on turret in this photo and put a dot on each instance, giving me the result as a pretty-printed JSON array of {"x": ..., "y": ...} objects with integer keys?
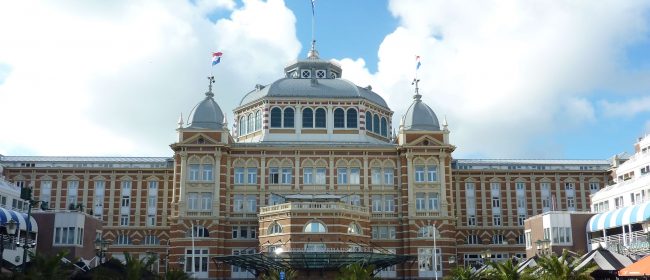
[
  {"x": 417, "y": 62},
  {"x": 216, "y": 58}
]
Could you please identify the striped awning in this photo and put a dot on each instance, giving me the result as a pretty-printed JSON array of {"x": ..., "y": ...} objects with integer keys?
[
  {"x": 20, "y": 218},
  {"x": 622, "y": 216}
]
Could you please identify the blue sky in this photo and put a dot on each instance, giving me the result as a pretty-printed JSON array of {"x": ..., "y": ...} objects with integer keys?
[{"x": 561, "y": 79}]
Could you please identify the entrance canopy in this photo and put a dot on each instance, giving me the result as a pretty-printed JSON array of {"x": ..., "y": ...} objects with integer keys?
[
  {"x": 619, "y": 217},
  {"x": 327, "y": 260}
]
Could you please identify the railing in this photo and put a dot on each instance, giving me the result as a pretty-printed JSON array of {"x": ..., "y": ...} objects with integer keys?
[
  {"x": 329, "y": 250},
  {"x": 384, "y": 215},
  {"x": 199, "y": 213},
  {"x": 427, "y": 213},
  {"x": 636, "y": 241},
  {"x": 243, "y": 215},
  {"x": 292, "y": 206}
]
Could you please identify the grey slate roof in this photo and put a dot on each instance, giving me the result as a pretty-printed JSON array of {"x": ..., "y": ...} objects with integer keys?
[
  {"x": 323, "y": 88},
  {"x": 420, "y": 117},
  {"x": 207, "y": 114}
]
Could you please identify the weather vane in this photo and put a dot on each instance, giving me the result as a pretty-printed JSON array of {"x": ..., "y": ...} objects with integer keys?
[{"x": 211, "y": 80}]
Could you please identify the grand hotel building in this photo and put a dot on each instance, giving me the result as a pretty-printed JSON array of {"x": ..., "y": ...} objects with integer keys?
[{"x": 311, "y": 178}]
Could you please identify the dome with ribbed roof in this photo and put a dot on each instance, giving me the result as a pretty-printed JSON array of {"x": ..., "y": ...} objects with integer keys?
[
  {"x": 419, "y": 116},
  {"x": 207, "y": 114}
]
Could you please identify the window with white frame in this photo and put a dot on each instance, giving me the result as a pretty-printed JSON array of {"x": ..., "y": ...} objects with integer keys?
[
  {"x": 275, "y": 199},
  {"x": 389, "y": 176},
  {"x": 151, "y": 240},
  {"x": 471, "y": 220},
  {"x": 207, "y": 172},
  {"x": 388, "y": 272},
  {"x": 352, "y": 199},
  {"x": 98, "y": 200},
  {"x": 315, "y": 227},
  {"x": 308, "y": 175},
  {"x": 206, "y": 201},
  {"x": 383, "y": 203},
  {"x": 239, "y": 175},
  {"x": 520, "y": 219},
  {"x": 428, "y": 231},
  {"x": 319, "y": 179},
  {"x": 383, "y": 232},
  {"x": 46, "y": 193},
  {"x": 245, "y": 203},
  {"x": 342, "y": 176},
  {"x": 123, "y": 239},
  {"x": 194, "y": 172},
  {"x": 274, "y": 175},
  {"x": 197, "y": 262},
  {"x": 419, "y": 173},
  {"x": 521, "y": 239},
  {"x": 68, "y": 236},
  {"x": 124, "y": 220},
  {"x": 529, "y": 243},
  {"x": 73, "y": 192},
  {"x": 497, "y": 239},
  {"x": 286, "y": 176},
  {"x": 495, "y": 191},
  {"x": 594, "y": 187},
  {"x": 274, "y": 228},
  {"x": 251, "y": 175},
  {"x": 197, "y": 231},
  {"x": 472, "y": 239},
  {"x": 244, "y": 232},
  {"x": 545, "y": 188},
  {"x": 470, "y": 203},
  {"x": 193, "y": 201},
  {"x": 432, "y": 173},
  {"x": 496, "y": 219},
  {"x": 239, "y": 272},
  {"x": 354, "y": 176}
]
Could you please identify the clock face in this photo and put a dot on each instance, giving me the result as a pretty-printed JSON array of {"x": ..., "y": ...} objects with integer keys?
[
  {"x": 305, "y": 74},
  {"x": 320, "y": 74},
  {"x": 332, "y": 75}
]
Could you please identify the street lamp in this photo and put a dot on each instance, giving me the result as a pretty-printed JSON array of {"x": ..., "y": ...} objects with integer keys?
[
  {"x": 26, "y": 194},
  {"x": 181, "y": 262},
  {"x": 10, "y": 230},
  {"x": 486, "y": 255},
  {"x": 452, "y": 260},
  {"x": 101, "y": 247}
]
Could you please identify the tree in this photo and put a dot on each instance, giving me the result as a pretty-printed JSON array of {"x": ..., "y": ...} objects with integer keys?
[
  {"x": 44, "y": 266},
  {"x": 562, "y": 267},
  {"x": 506, "y": 270},
  {"x": 463, "y": 273},
  {"x": 175, "y": 275},
  {"x": 356, "y": 271},
  {"x": 137, "y": 269}
]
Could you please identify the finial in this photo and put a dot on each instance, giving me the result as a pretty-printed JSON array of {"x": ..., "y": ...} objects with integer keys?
[
  {"x": 417, "y": 95},
  {"x": 444, "y": 123},
  {"x": 211, "y": 81},
  {"x": 180, "y": 121},
  {"x": 313, "y": 53}
]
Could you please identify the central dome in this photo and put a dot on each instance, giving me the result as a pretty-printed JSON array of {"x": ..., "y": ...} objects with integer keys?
[
  {"x": 419, "y": 116},
  {"x": 207, "y": 114}
]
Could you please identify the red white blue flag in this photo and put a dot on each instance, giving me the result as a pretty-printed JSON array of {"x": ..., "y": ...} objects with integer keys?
[
  {"x": 216, "y": 58},
  {"x": 417, "y": 62}
]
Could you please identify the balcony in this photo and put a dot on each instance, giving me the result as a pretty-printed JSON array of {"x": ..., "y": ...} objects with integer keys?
[
  {"x": 631, "y": 243},
  {"x": 312, "y": 206},
  {"x": 200, "y": 213}
]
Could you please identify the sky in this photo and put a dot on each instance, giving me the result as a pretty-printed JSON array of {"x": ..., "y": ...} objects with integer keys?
[{"x": 514, "y": 79}]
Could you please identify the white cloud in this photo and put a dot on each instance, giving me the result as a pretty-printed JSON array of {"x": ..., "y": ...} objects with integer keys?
[
  {"x": 627, "y": 108},
  {"x": 111, "y": 78},
  {"x": 507, "y": 72}
]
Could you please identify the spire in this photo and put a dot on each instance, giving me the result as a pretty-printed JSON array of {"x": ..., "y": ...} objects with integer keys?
[
  {"x": 180, "y": 121},
  {"x": 211, "y": 81},
  {"x": 444, "y": 123},
  {"x": 417, "y": 95},
  {"x": 313, "y": 53}
]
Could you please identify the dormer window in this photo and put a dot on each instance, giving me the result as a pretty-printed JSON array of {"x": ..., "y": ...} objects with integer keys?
[{"x": 320, "y": 74}]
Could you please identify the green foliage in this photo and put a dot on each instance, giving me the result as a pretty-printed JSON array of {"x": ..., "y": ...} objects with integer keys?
[
  {"x": 506, "y": 270},
  {"x": 175, "y": 275},
  {"x": 562, "y": 267},
  {"x": 47, "y": 267},
  {"x": 356, "y": 271},
  {"x": 275, "y": 275},
  {"x": 462, "y": 273}
]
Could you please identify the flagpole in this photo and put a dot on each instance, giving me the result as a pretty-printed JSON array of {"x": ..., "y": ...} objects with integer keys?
[{"x": 313, "y": 21}]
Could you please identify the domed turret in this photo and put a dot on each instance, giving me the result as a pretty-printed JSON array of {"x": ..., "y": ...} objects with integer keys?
[
  {"x": 207, "y": 114},
  {"x": 419, "y": 116}
]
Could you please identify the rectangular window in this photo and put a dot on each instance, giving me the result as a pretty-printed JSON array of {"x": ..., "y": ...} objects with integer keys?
[
  {"x": 433, "y": 202},
  {"x": 238, "y": 203},
  {"x": 46, "y": 192},
  {"x": 275, "y": 199},
  {"x": 471, "y": 220},
  {"x": 388, "y": 176},
  {"x": 376, "y": 176},
  {"x": 73, "y": 187},
  {"x": 389, "y": 205},
  {"x": 151, "y": 220},
  {"x": 342, "y": 175},
  {"x": 354, "y": 176},
  {"x": 274, "y": 175},
  {"x": 124, "y": 220},
  {"x": 286, "y": 176},
  {"x": 420, "y": 201},
  {"x": 193, "y": 201},
  {"x": 207, "y": 172},
  {"x": 529, "y": 243},
  {"x": 320, "y": 176},
  {"x": 98, "y": 202},
  {"x": 197, "y": 262},
  {"x": 251, "y": 203},
  {"x": 472, "y": 239},
  {"x": 239, "y": 175},
  {"x": 383, "y": 232},
  {"x": 126, "y": 201},
  {"x": 496, "y": 201},
  {"x": 429, "y": 262},
  {"x": 419, "y": 174},
  {"x": 376, "y": 203},
  {"x": 307, "y": 176},
  {"x": 206, "y": 201},
  {"x": 432, "y": 173},
  {"x": 194, "y": 172},
  {"x": 520, "y": 219},
  {"x": 251, "y": 175},
  {"x": 594, "y": 187},
  {"x": 571, "y": 203},
  {"x": 496, "y": 219}
]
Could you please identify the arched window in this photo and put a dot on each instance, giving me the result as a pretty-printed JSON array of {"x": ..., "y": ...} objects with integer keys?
[
  {"x": 352, "y": 118},
  {"x": 251, "y": 123},
  {"x": 258, "y": 120},
  {"x": 308, "y": 118},
  {"x": 242, "y": 126},
  {"x": 375, "y": 124},
  {"x": 197, "y": 231},
  {"x": 368, "y": 121},
  {"x": 288, "y": 117},
  {"x": 321, "y": 120},
  {"x": 274, "y": 228},
  {"x": 339, "y": 118},
  {"x": 428, "y": 232},
  {"x": 315, "y": 227},
  {"x": 276, "y": 117},
  {"x": 384, "y": 127},
  {"x": 354, "y": 228}
]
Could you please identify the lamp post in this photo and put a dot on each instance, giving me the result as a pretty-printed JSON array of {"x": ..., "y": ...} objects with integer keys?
[
  {"x": 10, "y": 230},
  {"x": 26, "y": 194},
  {"x": 486, "y": 255},
  {"x": 101, "y": 247},
  {"x": 181, "y": 262}
]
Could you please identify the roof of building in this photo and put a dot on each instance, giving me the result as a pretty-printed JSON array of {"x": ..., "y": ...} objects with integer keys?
[
  {"x": 419, "y": 116},
  {"x": 533, "y": 161},
  {"x": 207, "y": 114},
  {"x": 306, "y": 89},
  {"x": 85, "y": 159}
]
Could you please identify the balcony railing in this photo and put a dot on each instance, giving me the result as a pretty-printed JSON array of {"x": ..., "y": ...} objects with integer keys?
[
  {"x": 634, "y": 242},
  {"x": 309, "y": 206}
]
